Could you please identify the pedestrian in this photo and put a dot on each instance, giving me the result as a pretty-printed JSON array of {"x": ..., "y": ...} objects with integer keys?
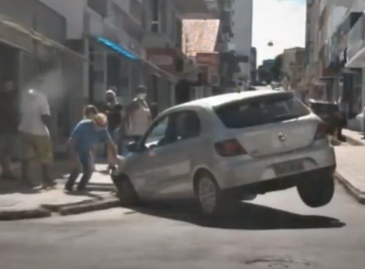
[
  {"x": 90, "y": 112},
  {"x": 114, "y": 112},
  {"x": 342, "y": 120},
  {"x": 83, "y": 137},
  {"x": 35, "y": 137},
  {"x": 9, "y": 121},
  {"x": 138, "y": 116}
]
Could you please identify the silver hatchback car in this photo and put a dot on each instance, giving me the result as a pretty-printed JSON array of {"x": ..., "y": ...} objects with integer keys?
[{"x": 228, "y": 148}]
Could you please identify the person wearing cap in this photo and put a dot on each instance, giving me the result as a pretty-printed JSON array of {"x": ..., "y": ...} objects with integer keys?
[
  {"x": 138, "y": 116},
  {"x": 85, "y": 135},
  {"x": 35, "y": 137}
]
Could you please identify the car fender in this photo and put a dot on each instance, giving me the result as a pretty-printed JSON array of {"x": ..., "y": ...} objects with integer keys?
[{"x": 201, "y": 166}]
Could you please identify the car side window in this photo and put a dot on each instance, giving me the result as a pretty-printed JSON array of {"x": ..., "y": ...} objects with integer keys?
[
  {"x": 188, "y": 125},
  {"x": 157, "y": 132}
]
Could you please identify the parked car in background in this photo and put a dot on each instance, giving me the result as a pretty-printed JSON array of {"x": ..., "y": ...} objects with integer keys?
[
  {"x": 328, "y": 112},
  {"x": 223, "y": 149}
]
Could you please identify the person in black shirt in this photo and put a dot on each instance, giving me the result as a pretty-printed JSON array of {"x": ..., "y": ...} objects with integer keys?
[
  {"x": 9, "y": 121},
  {"x": 114, "y": 113}
]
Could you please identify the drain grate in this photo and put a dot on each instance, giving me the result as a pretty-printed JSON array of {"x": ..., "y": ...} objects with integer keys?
[{"x": 280, "y": 263}]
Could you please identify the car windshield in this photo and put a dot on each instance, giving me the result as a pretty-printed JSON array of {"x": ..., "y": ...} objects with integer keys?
[{"x": 259, "y": 111}]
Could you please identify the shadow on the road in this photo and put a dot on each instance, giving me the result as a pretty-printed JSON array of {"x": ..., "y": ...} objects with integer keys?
[{"x": 246, "y": 216}]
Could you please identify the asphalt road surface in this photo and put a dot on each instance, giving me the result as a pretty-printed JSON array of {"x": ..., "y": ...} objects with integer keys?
[{"x": 274, "y": 231}]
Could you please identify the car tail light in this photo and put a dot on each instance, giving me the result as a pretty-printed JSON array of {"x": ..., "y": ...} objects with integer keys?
[
  {"x": 229, "y": 148},
  {"x": 321, "y": 132}
]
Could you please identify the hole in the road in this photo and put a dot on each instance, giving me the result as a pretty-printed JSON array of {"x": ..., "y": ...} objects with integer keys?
[{"x": 279, "y": 263}]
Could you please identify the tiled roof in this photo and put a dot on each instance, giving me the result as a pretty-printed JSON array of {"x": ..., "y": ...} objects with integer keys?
[{"x": 199, "y": 36}]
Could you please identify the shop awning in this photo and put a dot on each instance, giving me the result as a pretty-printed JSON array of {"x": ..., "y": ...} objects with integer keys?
[
  {"x": 117, "y": 48},
  {"x": 34, "y": 35}
]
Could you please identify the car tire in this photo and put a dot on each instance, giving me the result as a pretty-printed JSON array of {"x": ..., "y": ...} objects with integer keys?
[
  {"x": 318, "y": 192},
  {"x": 212, "y": 202},
  {"x": 126, "y": 192}
]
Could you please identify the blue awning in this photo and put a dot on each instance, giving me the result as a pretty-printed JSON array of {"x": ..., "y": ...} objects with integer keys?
[{"x": 114, "y": 46}]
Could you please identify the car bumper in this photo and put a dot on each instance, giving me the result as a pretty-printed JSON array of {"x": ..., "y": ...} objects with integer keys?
[
  {"x": 247, "y": 170},
  {"x": 280, "y": 183}
]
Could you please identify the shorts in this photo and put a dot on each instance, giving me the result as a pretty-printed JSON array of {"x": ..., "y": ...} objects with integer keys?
[
  {"x": 36, "y": 148},
  {"x": 8, "y": 145}
]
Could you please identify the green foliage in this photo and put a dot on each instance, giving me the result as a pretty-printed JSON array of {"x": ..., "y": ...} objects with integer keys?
[{"x": 276, "y": 69}]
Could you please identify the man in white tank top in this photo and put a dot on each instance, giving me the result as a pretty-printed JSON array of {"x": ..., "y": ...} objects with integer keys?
[{"x": 137, "y": 116}]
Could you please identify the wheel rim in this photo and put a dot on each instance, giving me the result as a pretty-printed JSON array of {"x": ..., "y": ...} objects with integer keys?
[{"x": 207, "y": 195}]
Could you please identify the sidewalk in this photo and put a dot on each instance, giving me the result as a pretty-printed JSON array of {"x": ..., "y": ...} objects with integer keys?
[
  {"x": 353, "y": 137},
  {"x": 350, "y": 165},
  {"x": 17, "y": 204}
]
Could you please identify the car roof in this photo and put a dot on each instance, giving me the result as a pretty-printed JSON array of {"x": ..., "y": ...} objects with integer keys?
[{"x": 222, "y": 99}]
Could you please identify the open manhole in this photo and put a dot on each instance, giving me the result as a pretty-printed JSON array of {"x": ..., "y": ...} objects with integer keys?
[{"x": 279, "y": 263}]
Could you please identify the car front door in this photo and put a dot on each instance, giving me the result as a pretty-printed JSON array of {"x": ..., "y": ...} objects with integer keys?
[
  {"x": 178, "y": 157},
  {"x": 148, "y": 167}
]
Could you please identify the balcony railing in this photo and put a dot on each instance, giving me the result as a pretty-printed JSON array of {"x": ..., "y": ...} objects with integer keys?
[{"x": 356, "y": 38}]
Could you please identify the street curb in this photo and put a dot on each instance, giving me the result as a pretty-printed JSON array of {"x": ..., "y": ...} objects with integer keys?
[
  {"x": 25, "y": 214},
  {"x": 353, "y": 141},
  {"x": 89, "y": 207},
  {"x": 354, "y": 192}
]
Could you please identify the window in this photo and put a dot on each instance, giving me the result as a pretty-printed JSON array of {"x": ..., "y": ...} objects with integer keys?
[
  {"x": 100, "y": 7},
  {"x": 187, "y": 125},
  {"x": 158, "y": 132},
  {"x": 155, "y": 15},
  {"x": 173, "y": 128},
  {"x": 260, "y": 111}
]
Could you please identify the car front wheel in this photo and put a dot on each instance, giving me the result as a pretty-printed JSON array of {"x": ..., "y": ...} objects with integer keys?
[
  {"x": 125, "y": 190},
  {"x": 317, "y": 192}
]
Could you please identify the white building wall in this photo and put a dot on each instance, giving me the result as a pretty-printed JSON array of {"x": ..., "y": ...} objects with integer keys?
[
  {"x": 242, "y": 16},
  {"x": 73, "y": 11}
]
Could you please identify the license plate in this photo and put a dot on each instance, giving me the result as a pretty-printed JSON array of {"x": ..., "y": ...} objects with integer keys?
[{"x": 288, "y": 167}]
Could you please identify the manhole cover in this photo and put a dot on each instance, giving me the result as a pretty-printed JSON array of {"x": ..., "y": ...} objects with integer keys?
[{"x": 280, "y": 263}]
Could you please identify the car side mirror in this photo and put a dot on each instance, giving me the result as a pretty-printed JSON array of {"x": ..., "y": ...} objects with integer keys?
[{"x": 133, "y": 147}]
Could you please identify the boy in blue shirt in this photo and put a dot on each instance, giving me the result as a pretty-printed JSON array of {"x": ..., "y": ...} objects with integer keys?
[{"x": 86, "y": 134}]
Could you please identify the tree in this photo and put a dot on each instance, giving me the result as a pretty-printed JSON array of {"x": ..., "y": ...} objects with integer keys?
[
  {"x": 263, "y": 74},
  {"x": 276, "y": 68}
]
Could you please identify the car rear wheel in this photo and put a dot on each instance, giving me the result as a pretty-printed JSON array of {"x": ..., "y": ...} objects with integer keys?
[
  {"x": 127, "y": 195},
  {"x": 317, "y": 192},
  {"x": 212, "y": 201}
]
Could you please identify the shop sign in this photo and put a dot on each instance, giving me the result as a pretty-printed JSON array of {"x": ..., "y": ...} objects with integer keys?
[
  {"x": 163, "y": 58},
  {"x": 207, "y": 58}
]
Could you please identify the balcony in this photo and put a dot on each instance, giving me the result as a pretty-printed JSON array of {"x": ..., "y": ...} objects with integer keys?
[
  {"x": 356, "y": 45},
  {"x": 193, "y": 9}
]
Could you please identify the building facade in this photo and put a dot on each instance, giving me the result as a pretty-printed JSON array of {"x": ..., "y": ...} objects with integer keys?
[
  {"x": 79, "y": 48},
  {"x": 33, "y": 48},
  {"x": 293, "y": 66},
  {"x": 235, "y": 42},
  {"x": 242, "y": 20}
]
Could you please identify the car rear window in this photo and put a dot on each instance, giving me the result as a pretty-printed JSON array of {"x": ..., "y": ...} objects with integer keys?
[{"x": 260, "y": 111}]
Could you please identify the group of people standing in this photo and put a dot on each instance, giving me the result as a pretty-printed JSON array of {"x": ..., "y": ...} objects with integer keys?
[
  {"x": 25, "y": 120},
  {"x": 113, "y": 125}
]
